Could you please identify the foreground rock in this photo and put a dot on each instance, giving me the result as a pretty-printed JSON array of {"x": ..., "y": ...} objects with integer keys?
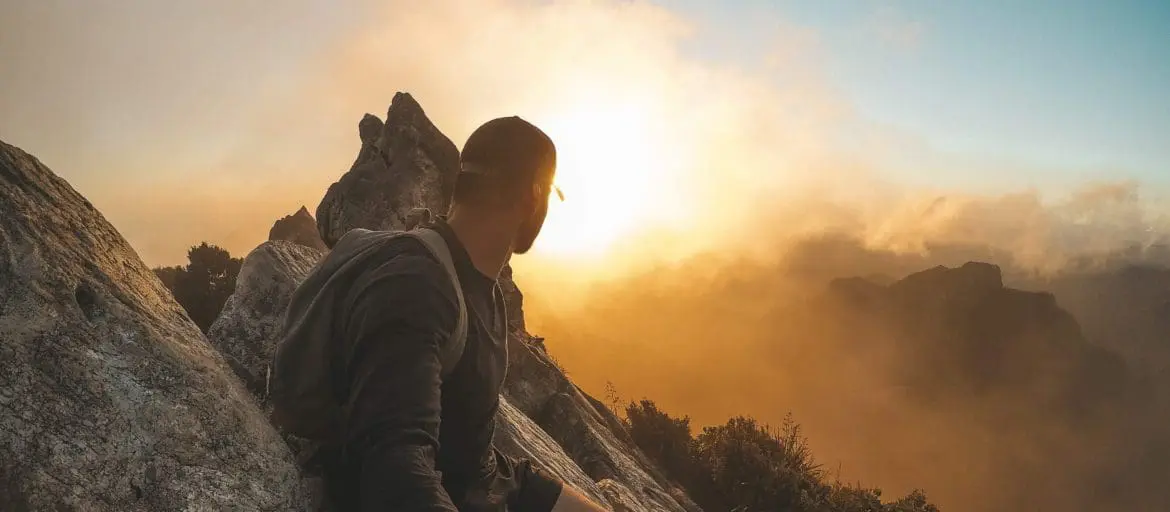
[
  {"x": 248, "y": 327},
  {"x": 518, "y": 436},
  {"x": 300, "y": 228},
  {"x": 110, "y": 398},
  {"x": 588, "y": 431}
]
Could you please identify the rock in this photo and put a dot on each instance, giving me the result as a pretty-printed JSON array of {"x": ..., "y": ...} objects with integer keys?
[
  {"x": 110, "y": 397},
  {"x": 591, "y": 435},
  {"x": 518, "y": 436},
  {"x": 299, "y": 228},
  {"x": 409, "y": 164},
  {"x": 248, "y": 327},
  {"x": 513, "y": 300},
  {"x": 369, "y": 129}
]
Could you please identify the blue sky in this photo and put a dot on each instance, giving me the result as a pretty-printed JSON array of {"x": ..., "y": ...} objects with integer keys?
[{"x": 1072, "y": 89}]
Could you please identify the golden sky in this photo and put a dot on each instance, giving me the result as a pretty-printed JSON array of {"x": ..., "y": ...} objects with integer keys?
[{"x": 194, "y": 121}]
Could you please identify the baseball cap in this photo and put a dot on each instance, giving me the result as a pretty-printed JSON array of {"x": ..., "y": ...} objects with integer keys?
[{"x": 513, "y": 150}]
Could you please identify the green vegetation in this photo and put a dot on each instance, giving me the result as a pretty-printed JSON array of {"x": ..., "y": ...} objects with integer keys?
[
  {"x": 204, "y": 284},
  {"x": 743, "y": 466}
]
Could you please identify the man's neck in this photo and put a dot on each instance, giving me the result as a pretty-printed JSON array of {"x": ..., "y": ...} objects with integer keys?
[{"x": 488, "y": 242}]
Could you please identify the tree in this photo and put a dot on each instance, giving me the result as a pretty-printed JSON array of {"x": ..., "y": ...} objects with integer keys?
[{"x": 204, "y": 284}]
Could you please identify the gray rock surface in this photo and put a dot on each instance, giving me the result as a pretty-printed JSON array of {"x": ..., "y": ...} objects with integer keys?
[
  {"x": 518, "y": 436},
  {"x": 110, "y": 397},
  {"x": 248, "y": 327},
  {"x": 404, "y": 163},
  {"x": 300, "y": 228},
  {"x": 591, "y": 435}
]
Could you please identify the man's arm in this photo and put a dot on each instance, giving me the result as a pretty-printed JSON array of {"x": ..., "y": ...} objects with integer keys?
[
  {"x": 397, "y": 324},
  {"x": 533, "y": 490}
]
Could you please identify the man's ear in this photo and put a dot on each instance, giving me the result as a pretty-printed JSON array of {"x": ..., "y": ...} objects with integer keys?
[{"x": 534, "y": 198}]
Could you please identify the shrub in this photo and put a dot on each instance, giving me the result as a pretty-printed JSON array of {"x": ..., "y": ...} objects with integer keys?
[{"x": 745, "y": 466}]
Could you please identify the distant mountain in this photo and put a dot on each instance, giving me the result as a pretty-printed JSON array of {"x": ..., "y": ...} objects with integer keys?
[
  {"x": 298, "y": 228},
  {"x": 1126, "y": 309},
  {"x": 1075, "y": 425},
  {"x": 970, "y": 335}
]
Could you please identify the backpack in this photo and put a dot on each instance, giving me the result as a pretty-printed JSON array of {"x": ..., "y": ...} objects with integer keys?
[{"x": 300, "y": 390}]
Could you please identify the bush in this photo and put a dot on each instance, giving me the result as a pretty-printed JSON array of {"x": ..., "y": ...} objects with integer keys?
[
  {"x": 757, "y": 468},
  {"x": 744, "y": 466}
]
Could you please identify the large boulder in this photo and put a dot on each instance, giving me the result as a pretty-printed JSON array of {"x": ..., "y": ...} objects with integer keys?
[
  {"x": 404, "y": 163},
  {"x": 110, "y": 397},
  {"x": 300, "y": 228},
  {"x": 248, "y": 327}
]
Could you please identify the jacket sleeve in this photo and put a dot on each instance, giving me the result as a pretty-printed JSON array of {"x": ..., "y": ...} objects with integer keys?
[
  {"x": 396, "y": 326},
  {"x": 512, "y": 481},
  {"x": 535, "y": 491}
]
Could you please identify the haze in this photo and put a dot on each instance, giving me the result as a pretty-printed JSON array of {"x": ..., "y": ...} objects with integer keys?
[{"x": 700, "y": 143}]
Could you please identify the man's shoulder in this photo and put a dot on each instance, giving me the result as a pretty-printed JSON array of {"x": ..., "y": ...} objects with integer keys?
[{"x": 404, "y": 268}]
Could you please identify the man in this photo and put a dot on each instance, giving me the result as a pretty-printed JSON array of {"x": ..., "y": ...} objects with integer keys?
[{"x": 418, "y": 436}]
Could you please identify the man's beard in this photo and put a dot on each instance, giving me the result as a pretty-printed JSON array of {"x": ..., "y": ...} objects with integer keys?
[
  {"x": 524, "y": 241},
  {"x": 526, "y": 234}
]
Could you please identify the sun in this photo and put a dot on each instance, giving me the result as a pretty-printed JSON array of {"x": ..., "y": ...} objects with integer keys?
[{"x": 616, "y": 175}]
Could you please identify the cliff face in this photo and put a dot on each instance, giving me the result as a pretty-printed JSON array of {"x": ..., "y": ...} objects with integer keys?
[{"x": 110, "y": 397}]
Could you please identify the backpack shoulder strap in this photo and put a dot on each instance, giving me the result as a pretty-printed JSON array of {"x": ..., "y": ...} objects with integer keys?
[{"x": 438, "y": 246}]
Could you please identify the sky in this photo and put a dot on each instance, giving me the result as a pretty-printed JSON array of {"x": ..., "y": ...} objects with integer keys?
[
  {"x": 1075, "y": 88},
  {"x": 186, "y": 121}
]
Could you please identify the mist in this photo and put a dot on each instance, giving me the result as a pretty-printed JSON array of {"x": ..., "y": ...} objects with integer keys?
[
  {"x": 708, "y": 207},
  {"x": 882, "y": 403}
]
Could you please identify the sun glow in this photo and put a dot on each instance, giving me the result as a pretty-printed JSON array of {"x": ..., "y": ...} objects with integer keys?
[{"x": 617, "y": 175}]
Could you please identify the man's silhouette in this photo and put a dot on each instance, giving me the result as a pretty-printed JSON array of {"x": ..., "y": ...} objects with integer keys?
[{"x": 417, "y": 423}]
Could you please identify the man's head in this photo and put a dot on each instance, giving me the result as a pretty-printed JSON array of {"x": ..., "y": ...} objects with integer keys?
[{"x": 506, "y": 173}]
